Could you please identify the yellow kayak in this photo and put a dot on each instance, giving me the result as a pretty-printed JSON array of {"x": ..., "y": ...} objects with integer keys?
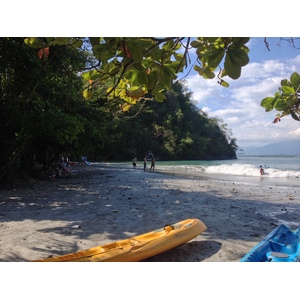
[{"x": 139, "y": 247}]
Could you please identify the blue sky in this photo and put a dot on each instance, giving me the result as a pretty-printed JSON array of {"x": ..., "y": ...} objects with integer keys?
[{"x": 239, "y": 104}]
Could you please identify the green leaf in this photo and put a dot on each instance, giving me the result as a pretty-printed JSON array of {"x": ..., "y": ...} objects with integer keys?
[
  {"x": 87, "y": 94},
  {"x": 195, "y": 43},
  {"x": 50, "y": 39},
  {"x": 126, "y": 107},
  {"x": 114, "y": 70},
  {"x": 106, "y": 51},
  {"x": 166, "y": 76},
  {"x": 218, "y": 43},
  {"x": 178, "y": 56},
  {"x": 152, "y": 79},
  {"x": 291, "y": 101},
  {"x": 136, "y": 48},
  {"x": 239, "y": 41},
  {"x": 77, "y": 43},
  {"x": 268, "y": 103},
  {"x": 238, "y": 56},
  {"x": 91, "y": 75},
  {"x": 207, "y": 74},
  {"x": 280, "y": 105},
  {"x": 33, "y": 42},
  {"x": 181, "y": 61},
  {"x": 287, "y": 87},
  {"x": 61, "y": 41},
  {"x": 168, "y": 45},
  {"x": 136, "y": 52},
  {"x": 141, "y": 78},
  {"x": 173, "y": 66},
  {"x": 215, "y": 58},
  {"x": 138, "y": 66},
  {"x": 156, "y": 54},
  {"x": 295, "y": 81},
  {"x": 130, "y": 75},
  {"x": 159, "y": 97},
  {"x": 95, "y": 40},
  {"x": 224, "y": 83},
  {"x": 232, "y": 69},
  {"x": 198, "y": 69}
]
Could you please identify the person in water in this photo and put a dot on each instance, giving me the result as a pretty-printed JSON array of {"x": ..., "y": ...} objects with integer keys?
[{"x": 261, "y": 170}]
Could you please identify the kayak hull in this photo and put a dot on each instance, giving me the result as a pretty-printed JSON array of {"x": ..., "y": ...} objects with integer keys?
[
  {"x": 281, "y": 245},
  {"x": 139, "y": 247}
]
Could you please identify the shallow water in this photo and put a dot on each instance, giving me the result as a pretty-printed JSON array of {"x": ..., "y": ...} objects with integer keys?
[{"x": 279, "y": 170}]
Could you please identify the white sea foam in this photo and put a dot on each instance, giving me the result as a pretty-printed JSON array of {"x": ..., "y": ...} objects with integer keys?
[
  {"x": 247, "y": 170},
  {"x": 250, "y": 170},
  {"x": 237, "y": 169},
  {"x": 249, "y": 167}
]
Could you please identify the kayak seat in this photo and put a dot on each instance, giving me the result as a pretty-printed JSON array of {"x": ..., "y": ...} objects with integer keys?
[{"x": 283, "y": 253}]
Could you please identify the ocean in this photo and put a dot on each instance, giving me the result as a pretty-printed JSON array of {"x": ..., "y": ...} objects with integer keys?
[{"x": 279, "y": 170}]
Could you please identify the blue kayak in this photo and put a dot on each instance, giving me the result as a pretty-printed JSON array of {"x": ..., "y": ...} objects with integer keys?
[{"x": 281, "y": 245}]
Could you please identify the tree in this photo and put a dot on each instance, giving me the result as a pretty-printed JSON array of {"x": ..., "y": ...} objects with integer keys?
[
  {"x": 173, "y": 129},
  {"x": 144, "y": 68},
  {"x": 41, "y": 106},
  {"x": 43, "y": 113}
]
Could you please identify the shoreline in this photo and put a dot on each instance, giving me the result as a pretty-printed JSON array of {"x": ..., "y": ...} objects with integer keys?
[
  {"x": 288, "y": 182},
  {"x": 246, "y": 180},
  {"x": 101, "y": 204}
]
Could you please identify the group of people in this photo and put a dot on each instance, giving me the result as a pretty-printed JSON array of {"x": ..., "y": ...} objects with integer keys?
[
  {"x": 58, "y": 170},
  {"x": 152, "y": 165}
]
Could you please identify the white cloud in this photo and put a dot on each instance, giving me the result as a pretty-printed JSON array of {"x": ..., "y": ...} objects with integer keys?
[
  {"x": 295, "y": 133},
  {"x": 206, "y": 109},
  {"x": 203, "y": 89},
  {"x": 257, "y": 89}
]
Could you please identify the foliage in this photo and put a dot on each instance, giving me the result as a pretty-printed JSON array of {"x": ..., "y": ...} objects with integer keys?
[
  {"x": 174, "y": 129},
  {"x": 42, "y": 111},
  {"x": 286, "y": 100},
  {"x": 144, "y": 68}
]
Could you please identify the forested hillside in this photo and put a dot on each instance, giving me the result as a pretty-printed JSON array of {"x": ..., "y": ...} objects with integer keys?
[
  {"x": 43, "y": 114},
  {"x": 173, "y": 130}
]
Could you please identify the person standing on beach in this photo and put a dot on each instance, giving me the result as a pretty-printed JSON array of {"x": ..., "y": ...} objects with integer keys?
[
  {"x": 134, "y": 161},
  {"x": 145, "y": 163},
  {"x": 152, "y": 163}
]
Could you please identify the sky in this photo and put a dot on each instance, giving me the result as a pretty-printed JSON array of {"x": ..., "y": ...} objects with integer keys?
[{"x": 238, "y": 106}]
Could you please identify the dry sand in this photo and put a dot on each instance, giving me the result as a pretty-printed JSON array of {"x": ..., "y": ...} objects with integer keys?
[{"x": 102, "y": 204}]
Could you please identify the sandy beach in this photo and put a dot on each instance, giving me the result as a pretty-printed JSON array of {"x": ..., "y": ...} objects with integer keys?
[{"x": 102, "y": 204}]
